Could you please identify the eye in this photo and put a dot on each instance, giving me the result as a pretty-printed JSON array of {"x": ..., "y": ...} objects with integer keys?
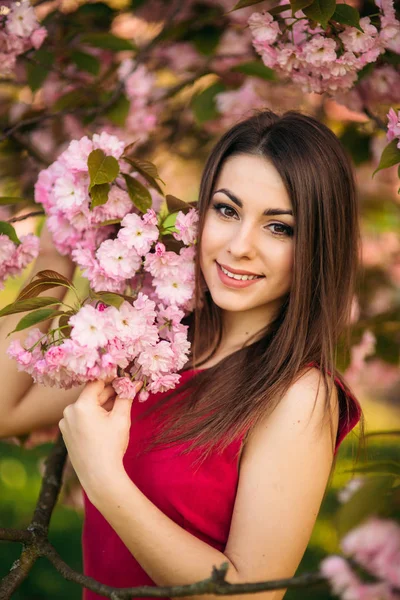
[
  {"x": 218, "y": 206},
  {"x": 283, "y": 230}
]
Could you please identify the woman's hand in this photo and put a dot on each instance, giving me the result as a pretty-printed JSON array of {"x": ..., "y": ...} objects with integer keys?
[{"x": 96, "y": 433}]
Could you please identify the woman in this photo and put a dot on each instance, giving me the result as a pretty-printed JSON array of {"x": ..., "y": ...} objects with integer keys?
[{"x": 232, "y": 465}]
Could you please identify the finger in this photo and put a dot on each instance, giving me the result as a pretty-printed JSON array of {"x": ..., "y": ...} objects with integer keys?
[
  {"x": 122, "y": 406},
  {"x": 91, "y": 392},
  {"x": 108, "y": 406},
  {"x": 106, "y": 394}
]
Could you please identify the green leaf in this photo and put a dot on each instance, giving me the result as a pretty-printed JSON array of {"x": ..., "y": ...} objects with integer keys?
[
  {"x": 110, "y": 298},
  {"x": 28, "y": 304},
  {"x": 168, "y": 225},
  {"x": 203, "y": 104},
  {"x": 119, "y": 111},
  {"x": 371, "y": 498},
  {"x": 108, "y": 222},
  {"x": 99, "y": 194},
  {"x": 255, "y": 68},
  {"x": 207, "y": 39},
  {"x": 278, "y": 9},
  {"x": 8, "y": 230},
  {"x": 39, "y": 68},
  {"x": 347, "y": 15},
  {"x": 107, "y": 41},
  {"x": 11, "y": 199},
  {"x": 45, "y": 281},
  {"x": 390, "y": 156},
  {"x": 148, "y": 170},
  {"x": 53, "y": 275},
  {"x": 174, "y": 204},
  {"x": 37, "y": 316},
  {"x": 320, "y": 11},
  {"x": 139, "y": 194},
  {"x": 72, "y": 99},
  {"x": 243, "y": 3},
  {"x": 86, "y": 62},
  {"x": 102, "y": 168},
  {"x": 63, "y": 322},
  {"x": 299, "y": 5},
  {"x": 128, "y": 149}
]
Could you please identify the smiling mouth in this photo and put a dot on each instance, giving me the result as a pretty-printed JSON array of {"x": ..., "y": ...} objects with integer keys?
[{"x": 238, "y": 276}]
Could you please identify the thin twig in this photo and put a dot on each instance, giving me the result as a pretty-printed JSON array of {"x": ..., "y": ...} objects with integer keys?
[{"x": 35, "y": 213}]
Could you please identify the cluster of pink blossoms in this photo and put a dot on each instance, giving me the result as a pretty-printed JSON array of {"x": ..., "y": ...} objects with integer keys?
[
  {"x": 375, "y": 546},
  {"x": 14, "y": 258},
  {"x": 393, "y": 131},
  {"x": 316, "y": 62},
  {"x": 135, "y": 342},
  {"x": 143, "y": 339},
  {"x": 19, "y": 32},
  {"x": 113, "y": 256}
]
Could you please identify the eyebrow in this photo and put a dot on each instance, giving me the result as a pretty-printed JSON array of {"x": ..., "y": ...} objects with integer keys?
[{"x": 267, "y": 212}]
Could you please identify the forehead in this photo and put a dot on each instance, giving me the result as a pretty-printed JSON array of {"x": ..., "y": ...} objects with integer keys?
[{"x": 253, "y": 179}]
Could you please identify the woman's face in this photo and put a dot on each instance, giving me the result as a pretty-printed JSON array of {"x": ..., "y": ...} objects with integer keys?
[{"x": 238, "y": 235}]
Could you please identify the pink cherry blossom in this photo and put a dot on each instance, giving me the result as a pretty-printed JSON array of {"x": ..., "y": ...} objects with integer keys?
[
  {"x": 393, "y": 125},
  {"x": 137, "y": 234},
  {"x": 174, "y": 289},
  {"x": 117, "y": 259},
  {"x": 125, "y": 388},
  {"x": 339, "y": 573},
  {"x": 90, "y": 328},
  {"x": 233, "y": 104},
  {"x": 117, "y": 206},
  {"x": 38, "y": 36},
  {"x": 75, "y": 157},
  {"x": 21, "y": 20},
  {"x": 110, "y": 144},
  {"x": 319, "y": 51},
  {"x": 164, "y": 382},
  {"x": 375, "y": 545},
  {"x": 14, "y": 258},
  {"x": 67, "y": 194},
  {"x": 158, "y": 358},
  {"x": 161, "y": 261},
  {"x": 358, "y": 41},
  {"x": 186, "y": 224},
  {"x": 263, "y": 27}
]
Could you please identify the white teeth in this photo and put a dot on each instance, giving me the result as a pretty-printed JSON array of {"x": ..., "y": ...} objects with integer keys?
[{"x": 240, "y": 277}]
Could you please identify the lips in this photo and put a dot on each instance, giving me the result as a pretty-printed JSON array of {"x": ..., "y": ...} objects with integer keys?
[
  {"x": 238, "y": 272},
  {"x": 230, "y": 282}
]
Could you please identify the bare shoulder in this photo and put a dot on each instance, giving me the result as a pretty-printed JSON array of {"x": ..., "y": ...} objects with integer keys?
[
  {"x": 303, "y": 412},
  {"x": 284, "y": 470}
]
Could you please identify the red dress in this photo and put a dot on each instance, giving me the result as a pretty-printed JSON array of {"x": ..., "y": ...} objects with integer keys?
[{"x": 201, "y": 501}]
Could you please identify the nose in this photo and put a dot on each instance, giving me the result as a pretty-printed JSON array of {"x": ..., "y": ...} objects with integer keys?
[{"x": 243, "y": 242}]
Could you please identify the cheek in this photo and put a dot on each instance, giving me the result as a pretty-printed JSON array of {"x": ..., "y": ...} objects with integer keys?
[
  {"x": 210, "y": 239},
  {"x": 284, "y": 258}
]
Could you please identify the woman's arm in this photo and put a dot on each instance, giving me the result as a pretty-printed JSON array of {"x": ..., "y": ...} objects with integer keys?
[
  {"x": 283, "y": 475},
  {"x": 23, "y": 405}
]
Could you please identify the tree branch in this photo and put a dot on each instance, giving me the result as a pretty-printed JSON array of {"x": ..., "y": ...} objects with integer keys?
[
  {"x": 35, "y": 213},
  {"x": 50, "y": 489}
]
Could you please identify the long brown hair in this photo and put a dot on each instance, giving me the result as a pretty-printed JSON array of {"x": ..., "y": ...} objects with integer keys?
[{"x": 232, "y": 396}]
